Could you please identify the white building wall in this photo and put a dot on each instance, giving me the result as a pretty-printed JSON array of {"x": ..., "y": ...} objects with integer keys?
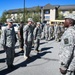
[
  {"x": 47, "y": 15},
  {"x": 73, "y": 12},
  {"x": 52, "y": 14},
  {"x": 64, "y": 13}
]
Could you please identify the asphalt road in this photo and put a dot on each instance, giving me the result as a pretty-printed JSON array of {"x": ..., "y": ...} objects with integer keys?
[{"x": 44, "y": 63}]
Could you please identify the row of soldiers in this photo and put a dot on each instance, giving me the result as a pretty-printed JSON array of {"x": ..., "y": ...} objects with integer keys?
[
  {"x": 53, "y": 31},
  {"x": 28, "y": 34},
  {"x": 67, "y": 53}
]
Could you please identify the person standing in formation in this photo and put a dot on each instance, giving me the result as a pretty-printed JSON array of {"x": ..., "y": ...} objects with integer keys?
[
  {"x": 20, "y": 34},
  {"x": 8, "y": 41},
  {"x": 28, "y": 38},
  {"x": 67, "y": 53},
  {"x": 37, "y": 36}
]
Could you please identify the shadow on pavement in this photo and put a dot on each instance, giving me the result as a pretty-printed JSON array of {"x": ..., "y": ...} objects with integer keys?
[
  {"x": 19, "y": 53},
  {"x": 16, "y": 47},
  {"x": 24, "y": 63},
  {"x": 2, "y": 51},
  {"x": 46, "y": 48},
  {"x": 2, "y": 60},
  {"x": 43, "y": 43}
]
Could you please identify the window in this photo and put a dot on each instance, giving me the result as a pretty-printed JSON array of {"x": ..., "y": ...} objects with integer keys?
[
  {"x": 63, "y": 11},
  {"x": 47, "y": 17},
  {"x": 46, "y": 11}
]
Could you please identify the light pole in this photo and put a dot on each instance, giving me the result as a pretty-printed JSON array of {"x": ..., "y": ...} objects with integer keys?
[
  {"x": 42, "y": 14},
  {"x": 24, "y": 11}
]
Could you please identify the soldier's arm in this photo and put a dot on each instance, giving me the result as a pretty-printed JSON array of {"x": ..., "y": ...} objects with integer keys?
[
  {"x": 3, "y": 37},
  {"x": 19, "y": 32},
  {"x": 25, "y": 33},
  {"x": 35, "y": 33},
  {"x": 68, "y": 46}
]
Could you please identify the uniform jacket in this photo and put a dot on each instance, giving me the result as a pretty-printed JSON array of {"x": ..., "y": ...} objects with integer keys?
[
  {"x": 37, "y": 33},
  {"x": 8, "y": 37},
  {"x": 28, "y": 33},
  {"x": 67, "y": 53}
]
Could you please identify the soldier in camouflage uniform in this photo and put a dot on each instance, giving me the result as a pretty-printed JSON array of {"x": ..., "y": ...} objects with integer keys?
[
  {"x": 62, "y": 29},
  {"x": 67, "y": 53},
  {"x": 51, "y": 32},
  {"x": 55, "y": 28},
  {"x": 8, "y": 40},
  {"x": 46, "y": 31},
  {"x": 20, "y": 34},
  {"x": 37, "y": 36},
  {"x": 28, "y": 38},
  {"x": 57, "y": 32},
  {"x": 43, "y": 33}
]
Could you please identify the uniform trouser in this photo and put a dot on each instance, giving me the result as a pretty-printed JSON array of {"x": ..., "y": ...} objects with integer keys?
[
  {"x": 27, "y": 48},
  {"x": 10, "y": 55},
  {"x": 46, "y": 36},
  {"x": 56, "y": 36},
  {"x": 43, "y": 35},
  {"x": 21, "y": 44},
  {"x": 36, "y": 44},
  {"x": 50, "y": 36}
]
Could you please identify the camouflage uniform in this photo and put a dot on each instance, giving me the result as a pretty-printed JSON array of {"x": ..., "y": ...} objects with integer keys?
[
  {"x": 51, "y": 32},
  {"x": 8, "y": 40},
  {"x": 57, "y": 33},
  {"x": 20, "y": 34},
  {"x": 68, "y": 43},
  {"x": 67, "y": 53},
  {"x": 46, "y": 31},
  {"x": 62, "y": 30},
  {"x": 37, "y": 37},
  {"x": 28, "y": 39}
]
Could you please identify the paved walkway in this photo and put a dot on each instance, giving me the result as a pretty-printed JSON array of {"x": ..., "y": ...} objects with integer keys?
[{"x": 44, "y": 63}]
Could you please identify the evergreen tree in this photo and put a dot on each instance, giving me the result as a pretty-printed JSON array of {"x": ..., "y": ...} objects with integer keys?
[{"x": 3, "y": 17}]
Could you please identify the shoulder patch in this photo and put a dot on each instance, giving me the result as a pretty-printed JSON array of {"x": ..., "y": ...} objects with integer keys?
[{"x": 66, "y": 41}]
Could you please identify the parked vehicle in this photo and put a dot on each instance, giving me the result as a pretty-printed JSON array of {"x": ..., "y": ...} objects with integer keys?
[
  {"x": 0, "y": 25},
  {"x": 16, "y": 26},
  {"x": 52, "y": 22},
  {"x": 3, "y": 26}
]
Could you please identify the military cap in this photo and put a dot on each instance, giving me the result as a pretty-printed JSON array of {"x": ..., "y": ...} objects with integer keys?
[
  {"x": 30, "y": 19},
  {"x": 38, "y": 23},
  {"x": 9, "y": 20},
  {"x": 70, "y": 16}
]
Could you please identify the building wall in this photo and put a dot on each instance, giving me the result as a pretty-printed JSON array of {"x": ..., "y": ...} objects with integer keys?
[
  {"x": 64, "y": 13},
  {"x": 44, "y": 16},
  {"x": 52, "y": 14}
]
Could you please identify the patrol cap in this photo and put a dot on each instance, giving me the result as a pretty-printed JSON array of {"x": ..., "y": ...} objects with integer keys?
[
  {"x": 30, "y": 19},
  {"x": 38, "y": 23},
  {"x": 9, "y": 20},
  {"x": 70, "y": 16}
]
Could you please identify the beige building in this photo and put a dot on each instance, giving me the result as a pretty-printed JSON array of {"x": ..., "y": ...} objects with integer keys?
[{"x": 47, "y": 12}]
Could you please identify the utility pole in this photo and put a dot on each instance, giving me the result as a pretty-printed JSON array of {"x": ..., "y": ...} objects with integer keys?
[{"x": 24, "y": 11}]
